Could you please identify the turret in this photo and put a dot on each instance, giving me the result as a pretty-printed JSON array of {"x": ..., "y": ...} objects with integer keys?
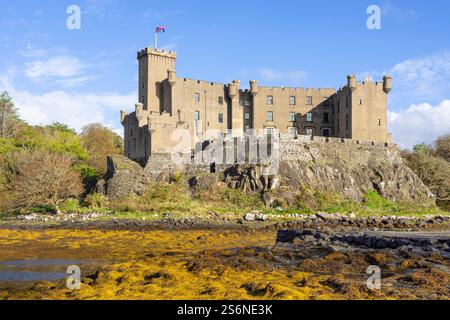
[
  {"x": 139, "y": 107},
  {"x": 123, "y": 114},
  {"x": 233, "y": 88},
  {"x": 351, "y": 82},
  {"x": 253, "y": 87},
  {"x": 172, "y": 76},
  {"x": 387, "y": 84}
]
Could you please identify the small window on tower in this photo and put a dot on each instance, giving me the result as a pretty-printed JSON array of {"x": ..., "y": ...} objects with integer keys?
[
  {"x": 309, "y": 100},
  {"x": 220, "y": 118},
  {"x": 269, "y": 100},
  {"x": 292, "y": 100},
  {"x": 292, "y": 116},
  {"x": 247, "y": 116},
  {"x": 221, "y": 100},
  {"x": 360, "y": 102},
  {"x": 197, "y": 115},
  {"x": 309, "y": 117},
  {"x": 197, "y": 97},
  {"x": 326, "y": 118},
  {"x": 270, "y": 116},
  {"x": 379, "y": 122}
]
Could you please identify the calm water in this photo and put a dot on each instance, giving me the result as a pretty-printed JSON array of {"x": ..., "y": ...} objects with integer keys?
[{"x": 38, "y": 269}]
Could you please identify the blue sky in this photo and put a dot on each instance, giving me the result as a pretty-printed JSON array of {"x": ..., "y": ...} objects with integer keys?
[{"x": 88, "y": 75}]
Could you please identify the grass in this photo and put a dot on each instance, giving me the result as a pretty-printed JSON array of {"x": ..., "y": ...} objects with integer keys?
[{"x": 176, "y": 199}]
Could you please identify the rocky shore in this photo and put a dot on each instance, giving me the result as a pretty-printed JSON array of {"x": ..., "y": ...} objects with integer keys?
[{"x": 252, "y": 220}]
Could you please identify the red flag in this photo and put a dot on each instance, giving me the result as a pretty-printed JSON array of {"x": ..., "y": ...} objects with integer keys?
[{"x": 160, "y": 29}]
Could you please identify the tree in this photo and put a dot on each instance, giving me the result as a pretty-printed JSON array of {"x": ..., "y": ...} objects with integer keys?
[
  {"x": 433, "y": 171},
  {"x": 44, "y": 178},
  {"x": 9, "y": 120},
  {"x": 100, "y": 142},
  {"x": 442, "y": 147}
]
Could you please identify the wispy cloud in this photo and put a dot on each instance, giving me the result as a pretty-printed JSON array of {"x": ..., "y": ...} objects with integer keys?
[
  {"x": 424, "y": 77},
  {"x": 56, "y": 67},
  {"x": 272, "y": 76},
  {"x": 100, "y": 8},
  {"x": 389, "y": 9}
]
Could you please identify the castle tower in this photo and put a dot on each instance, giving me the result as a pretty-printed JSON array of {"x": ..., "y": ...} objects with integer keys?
[
  {"x": 155, "y": 68},
  {"x": 387, "y": 84},
  {"x": 352, "y": 82},
  {"x": 236, "y": 113}
]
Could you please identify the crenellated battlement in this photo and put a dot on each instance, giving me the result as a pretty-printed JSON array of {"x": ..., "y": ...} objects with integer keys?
[{"x": 157, "y": 52}]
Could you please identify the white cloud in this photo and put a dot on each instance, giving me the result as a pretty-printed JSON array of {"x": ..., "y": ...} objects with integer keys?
[
  {"x": 270, "y": 75},
  {"x": 72, "y": 108},
  {"x": 423, "y": 77},
  {"x": 421, "y": 123},
  {"x": 60, "y": 66}
]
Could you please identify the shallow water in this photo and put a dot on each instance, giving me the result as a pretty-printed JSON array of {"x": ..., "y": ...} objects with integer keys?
[{"x": 27, "y": 270}]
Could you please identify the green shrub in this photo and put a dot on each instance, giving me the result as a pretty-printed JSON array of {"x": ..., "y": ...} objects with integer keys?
[
  {"x": 239, "y": 199},
  {"x": 376, "y": 202},
  {"x": 96, "y": 201},
  {"x": 70, "y": 206}
]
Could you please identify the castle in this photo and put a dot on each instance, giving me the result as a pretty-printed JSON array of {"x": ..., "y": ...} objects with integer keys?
[{"x": 168, "y": 103}]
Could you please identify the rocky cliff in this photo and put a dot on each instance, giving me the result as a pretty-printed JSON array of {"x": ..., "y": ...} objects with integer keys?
[{"x": 346, "y": 167}]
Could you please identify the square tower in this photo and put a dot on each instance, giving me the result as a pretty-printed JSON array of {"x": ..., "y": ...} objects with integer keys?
[{"x": 155, "y": 67}]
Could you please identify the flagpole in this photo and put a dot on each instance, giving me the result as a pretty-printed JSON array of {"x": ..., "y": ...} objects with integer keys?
[{"x": 156, "y": 40}]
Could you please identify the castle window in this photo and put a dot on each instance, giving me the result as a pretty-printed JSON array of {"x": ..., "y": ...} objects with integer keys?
[
  {"x": 326, "y": 132},
  {"x": 270, "y": 116},
  {"x": 309, "y": 117},
  {"x": 326, "y": 118},
  {"x": 269, "y": 100},
  {"x": 197, "y": 115},
  {"x": 379, "y": 122},
  {"x": 309, "y": 132},
  {"x": 197, "y": 97},
  {"x": 247, "y": 116},
  {"x": 292, "y": 100},
  {"x": 220, "y": 118},
  {"x": 247, "y": 103},
  {"x": 292, "y": 116},
  {"x": 360, "y": 102},
  {"x": 221, "y": 100},
  {"x": 131, "y": 131},
  {"x": 309, "y": 100}
]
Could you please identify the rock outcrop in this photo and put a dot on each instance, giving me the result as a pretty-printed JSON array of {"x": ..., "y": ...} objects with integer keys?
[{"x": 346, "y": 167}]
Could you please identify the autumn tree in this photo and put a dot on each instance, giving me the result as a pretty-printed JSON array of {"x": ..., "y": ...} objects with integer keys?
[
  {"x": 434, "y": 171},
  {"x": 44, "y": 178},
  {"x": 100, "y": 142},
  {"x": 442, "y": 147}
]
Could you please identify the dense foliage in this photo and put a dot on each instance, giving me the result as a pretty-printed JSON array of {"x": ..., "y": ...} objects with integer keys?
[
  {"x": 432, "y": 165},
  {"x": 46, "y": 165}
]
